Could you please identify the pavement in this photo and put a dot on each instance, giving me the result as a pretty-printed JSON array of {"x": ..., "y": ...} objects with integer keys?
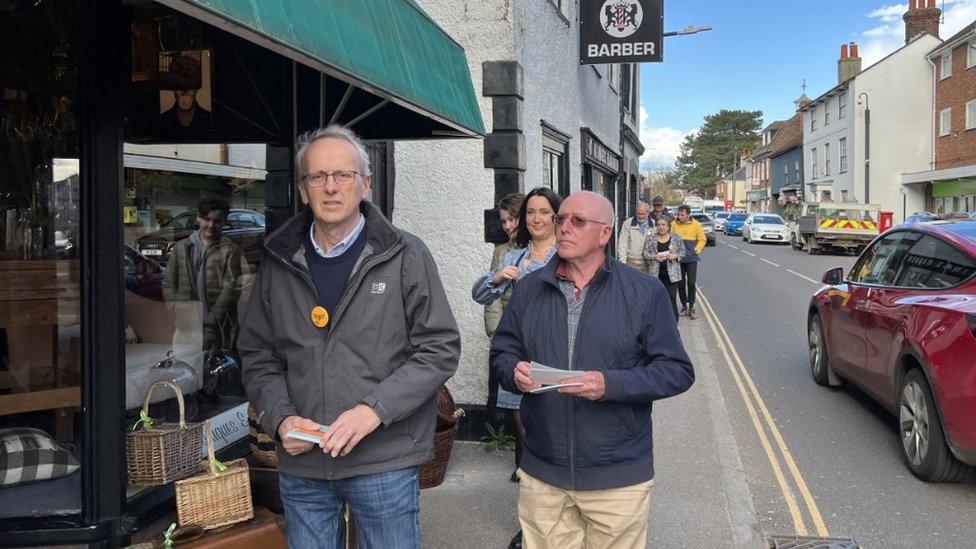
[{"x": 700, "y": 497}]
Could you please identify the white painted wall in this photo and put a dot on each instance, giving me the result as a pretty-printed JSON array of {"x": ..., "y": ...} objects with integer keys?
[
  {"x": 832, "y": 133},
  {"x": 442, "y": 188},
  {"x": 899, "y": 90}
]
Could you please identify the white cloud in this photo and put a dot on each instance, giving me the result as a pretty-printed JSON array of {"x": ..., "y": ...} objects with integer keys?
[
  {"x": 889, "y": 35},
  {"x": 662, "y": 145}
]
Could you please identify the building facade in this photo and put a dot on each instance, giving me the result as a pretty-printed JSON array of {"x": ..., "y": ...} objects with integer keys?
[
  {"x": 786, "y": 166},
  {"x": 553, "y": 123},
  {"x": 828, "y": 136},
  {"x": 950, "y": 186}
]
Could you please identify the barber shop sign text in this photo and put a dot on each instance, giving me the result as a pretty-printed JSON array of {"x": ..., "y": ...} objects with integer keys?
[{"x": 621, "y": 31}]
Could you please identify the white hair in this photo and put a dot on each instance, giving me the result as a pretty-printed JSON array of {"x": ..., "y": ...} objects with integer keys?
[{"x": 334, "y": 131}]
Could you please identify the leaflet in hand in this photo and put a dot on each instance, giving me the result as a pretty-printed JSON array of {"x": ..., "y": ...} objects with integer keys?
[
  {"x": 308, "y": 435},
  {"x": 546, "y": 375}
]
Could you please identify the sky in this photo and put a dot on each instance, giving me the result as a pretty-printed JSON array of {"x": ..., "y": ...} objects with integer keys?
[{"x": 758, "y": 56}]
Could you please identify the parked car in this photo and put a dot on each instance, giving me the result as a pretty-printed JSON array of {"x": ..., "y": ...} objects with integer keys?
[
  {"x": 902, "y": 326},
  {"x": 733, "y": 225},
  {"x": 720, "y": 218},
  {"x": 760, "y": 227},
  {"x": 708, "y": 226},
  {"x": 244, "y": 227},
  {"x": 143, "y": 276},
  {"x": 921, "y": 217}
]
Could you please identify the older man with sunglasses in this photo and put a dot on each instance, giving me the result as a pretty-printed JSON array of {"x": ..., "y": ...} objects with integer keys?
[
  {"x": 347, "y": 337},
  {"x": 588, "y": 463}
]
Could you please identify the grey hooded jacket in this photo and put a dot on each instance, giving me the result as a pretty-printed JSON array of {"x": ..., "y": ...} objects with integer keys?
[{"x": 390, "y": 343}]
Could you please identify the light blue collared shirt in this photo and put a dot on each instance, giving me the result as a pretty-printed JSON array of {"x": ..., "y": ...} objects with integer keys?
[{"x": 341, "y": 247}]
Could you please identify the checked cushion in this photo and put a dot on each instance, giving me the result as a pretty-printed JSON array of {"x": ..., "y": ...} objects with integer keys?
[{"x": 28, "y": 455}]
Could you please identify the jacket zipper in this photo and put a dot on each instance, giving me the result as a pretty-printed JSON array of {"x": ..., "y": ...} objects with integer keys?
[{"x": 571, "y": 402}]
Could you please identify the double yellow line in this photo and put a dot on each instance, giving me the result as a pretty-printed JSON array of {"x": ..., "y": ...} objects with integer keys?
[{"x": 753, "y": 400}]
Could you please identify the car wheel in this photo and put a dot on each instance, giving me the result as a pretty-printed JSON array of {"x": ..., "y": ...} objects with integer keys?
[
  {"x": 819, "y": 361},
  {"x": 923, "y": 442}
]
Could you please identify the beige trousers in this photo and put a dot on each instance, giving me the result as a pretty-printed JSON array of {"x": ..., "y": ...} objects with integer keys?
[{"x": 553, "y": 518}]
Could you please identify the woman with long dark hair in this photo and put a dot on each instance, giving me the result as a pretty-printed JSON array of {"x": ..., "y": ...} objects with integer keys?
[{"x": 534, "y": 245}]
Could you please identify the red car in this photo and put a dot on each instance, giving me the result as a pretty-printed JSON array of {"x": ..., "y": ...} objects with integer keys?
[{"x": 902, "y": 326}]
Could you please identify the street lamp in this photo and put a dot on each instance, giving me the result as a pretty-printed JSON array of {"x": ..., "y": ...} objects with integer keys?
[
  {"x": 690, "y": 29},
  {"x": 867, "y": 144}
]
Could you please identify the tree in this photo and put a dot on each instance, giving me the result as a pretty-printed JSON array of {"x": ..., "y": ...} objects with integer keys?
[
  {"x": 709, "y": 153},
  {"x": 661, "y": 182}
]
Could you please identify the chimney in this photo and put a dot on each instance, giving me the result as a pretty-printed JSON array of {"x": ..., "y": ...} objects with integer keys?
[
  {"x": 922, "y": 16},
  {"x": 849, "y": 64}
]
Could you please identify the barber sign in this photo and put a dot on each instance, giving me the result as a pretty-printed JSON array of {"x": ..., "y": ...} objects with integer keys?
[{"x": 621, "y": 31}]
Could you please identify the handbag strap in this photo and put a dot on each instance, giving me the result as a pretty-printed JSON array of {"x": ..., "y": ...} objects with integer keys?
[{"x": 179, "y": 398}]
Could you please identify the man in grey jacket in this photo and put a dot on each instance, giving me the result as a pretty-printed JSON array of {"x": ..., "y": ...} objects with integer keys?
[{"x": 349, "y": 334}]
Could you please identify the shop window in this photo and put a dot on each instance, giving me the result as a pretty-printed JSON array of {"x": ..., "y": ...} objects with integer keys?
[
  {"x": 193, "y": 245},
  {"x": 40, "y": 242}
]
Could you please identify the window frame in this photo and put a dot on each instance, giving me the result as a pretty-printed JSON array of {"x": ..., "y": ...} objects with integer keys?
[
  {"x": 945, "y": 122},
  {"x": 826, "y": 159},
  {"x": 970, "y": 116},
  {"x": 827, "y": 112},
  {"x": 842, "y": 151},
  {"x": 813, "y": 119},
  {"x": 841, "y": 105},
  {"x": 556, "y": 143},
  {"x": 814, "y": 163},
  {"x": 945, "y": 65},
  {"x": 971, "y": 54}
]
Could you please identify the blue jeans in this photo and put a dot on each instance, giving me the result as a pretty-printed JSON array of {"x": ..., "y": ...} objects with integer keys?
[{"x": 385, "y": 507}]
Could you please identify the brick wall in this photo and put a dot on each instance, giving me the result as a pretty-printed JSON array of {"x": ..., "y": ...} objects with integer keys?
[{"x": 959, "y": 147}]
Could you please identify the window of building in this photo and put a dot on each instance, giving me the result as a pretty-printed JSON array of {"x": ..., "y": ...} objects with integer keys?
[
  {"x": 842, "y": 105},
  {"x": 842, "y": 145},
  {"x": 555, "y": 160},
  {"x": 814, "y": 165},
  {"x": 611, "y": 73},
  {"x": 813, "y": 119},
  {"x": 41, "y": 367},
  {"x": 971, "y": 114},
  {"x": 786, "y": 170},
  {"x": 945, "y": 70},
  {"x": 826, "y": 159},
  {"x": 971, "y": 54},
  {"x": 826, "y": 112},
  {"x": 945, "y": 121}
]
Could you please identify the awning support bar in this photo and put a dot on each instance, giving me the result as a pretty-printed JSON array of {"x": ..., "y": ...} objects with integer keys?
[
  {"x": 342, "y": 104},
  {"x": 370, "y": 111}
]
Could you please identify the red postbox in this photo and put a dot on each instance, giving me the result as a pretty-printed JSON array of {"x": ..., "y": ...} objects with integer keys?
[{"x": 886, "y": 221}]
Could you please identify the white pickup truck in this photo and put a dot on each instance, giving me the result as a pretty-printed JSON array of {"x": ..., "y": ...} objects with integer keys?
[{"x": 825, "y": 226}]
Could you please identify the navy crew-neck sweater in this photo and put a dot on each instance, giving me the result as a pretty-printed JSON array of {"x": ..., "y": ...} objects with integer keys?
[{"x": 331, "y": 274}]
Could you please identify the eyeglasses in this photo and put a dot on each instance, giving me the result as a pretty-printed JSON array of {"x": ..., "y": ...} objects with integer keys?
[
  {"x": 577, "y": 220},
  {"x": 341, "y": 177}
]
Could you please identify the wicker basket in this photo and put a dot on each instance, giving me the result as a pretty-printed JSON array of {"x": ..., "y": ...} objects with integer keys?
[
  {"x": 212, "y": 498},
  {"x": 262, "y": 444},
  {"x": 165, "y": 452},
  {"x": 448, "y": 416}
]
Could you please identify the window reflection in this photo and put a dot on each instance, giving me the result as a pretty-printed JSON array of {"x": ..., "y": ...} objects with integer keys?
[
  {"x": 193, "y": 245},
  {"x": 40, "y": 336}
]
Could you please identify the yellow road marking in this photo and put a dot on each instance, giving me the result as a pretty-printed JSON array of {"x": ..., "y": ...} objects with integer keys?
[
  {"x": 807, "y": 496},
  {"x": 792, "y": 507}
]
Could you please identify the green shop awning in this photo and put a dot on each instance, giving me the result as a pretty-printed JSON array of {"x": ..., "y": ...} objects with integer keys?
[
  {"x": 389, "y": 48},
  {"x": 961, "y": 187}
]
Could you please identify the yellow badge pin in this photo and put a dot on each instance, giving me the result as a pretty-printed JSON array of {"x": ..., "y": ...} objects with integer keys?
[{"x": 320, "y": 317}]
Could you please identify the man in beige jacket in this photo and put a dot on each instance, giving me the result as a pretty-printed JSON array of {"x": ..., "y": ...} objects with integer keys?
[{"x": 633, "y": 232}]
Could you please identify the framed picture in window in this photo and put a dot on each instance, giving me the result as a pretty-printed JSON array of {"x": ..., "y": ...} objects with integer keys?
[{"x": 186, "y": 92}]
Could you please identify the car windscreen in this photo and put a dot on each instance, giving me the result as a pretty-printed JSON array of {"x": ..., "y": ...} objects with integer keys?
[
  {"x": 768, "y": 220},
  {"x": 722, "y": 215},
  {"x": 186, "y": 220},
  {"x": 702, "y": 218},
  {"x": 738, "y": 217}
]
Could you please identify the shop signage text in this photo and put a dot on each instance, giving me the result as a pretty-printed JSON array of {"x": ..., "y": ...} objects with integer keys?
[
  {"x": 621, "y": 31},
  {"x": 596, "y": 153}
]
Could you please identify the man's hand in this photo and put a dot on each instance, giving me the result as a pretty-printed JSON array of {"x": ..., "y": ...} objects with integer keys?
[
  {"x": 294, "y": 446},
  {"x": 522, "y": 379},
  {"x": 348, "y": 429},
  {"x": 594, "y": 386}
]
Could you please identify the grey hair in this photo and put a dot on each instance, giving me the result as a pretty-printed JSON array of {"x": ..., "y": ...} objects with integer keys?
[
  {"x": 334, "y": 131},
  {"x": 642, "y": 203}
]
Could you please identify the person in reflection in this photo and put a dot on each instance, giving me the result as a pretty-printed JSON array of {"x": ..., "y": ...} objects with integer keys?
[
  {"x": 588, "y": 463},
  {"x": 349, "y": 328},
  {"x": 186, "y": 113},
  {"x": 206, "y": 267}
]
